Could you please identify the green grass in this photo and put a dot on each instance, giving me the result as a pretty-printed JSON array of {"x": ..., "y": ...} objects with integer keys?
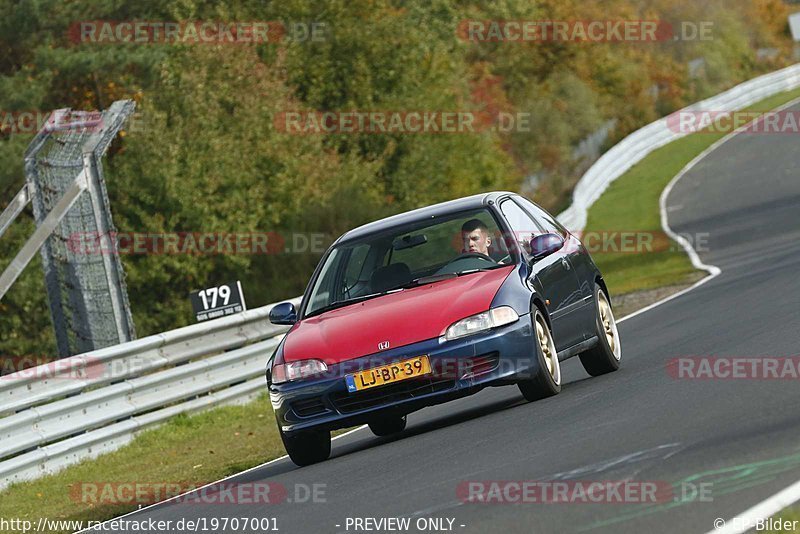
[
  {"x": 792, "y": 514},
  {"x": 197, "y": 449},
  {"x": 190, "y": 450},
  {"x": 631, "y": 204}
]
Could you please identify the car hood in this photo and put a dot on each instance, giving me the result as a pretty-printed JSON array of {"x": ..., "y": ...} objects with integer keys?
[{"x": 401, "y": 318}]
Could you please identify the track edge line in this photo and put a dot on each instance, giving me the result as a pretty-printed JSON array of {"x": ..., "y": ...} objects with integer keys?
[
  {"x": 274, "y": 460},
  {"x": 712, "y": 270}
]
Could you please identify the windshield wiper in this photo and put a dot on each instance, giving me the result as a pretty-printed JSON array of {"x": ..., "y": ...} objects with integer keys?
[
  {"x": 482, "y": 269},
  {"x": 445, "y": 276},
  {"x": 347, "y": 302},
  {"x": 429, "y": 279}
]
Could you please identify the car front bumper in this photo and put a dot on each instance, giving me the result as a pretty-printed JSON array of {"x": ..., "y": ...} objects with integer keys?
[{"x": 460, "y": 367}]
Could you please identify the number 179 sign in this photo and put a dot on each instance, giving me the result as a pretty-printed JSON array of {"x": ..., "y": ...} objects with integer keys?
[{"x": 219, "y": 301}]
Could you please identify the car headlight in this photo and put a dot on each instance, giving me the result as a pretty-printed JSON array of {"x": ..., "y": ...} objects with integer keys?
[
  {"x": 286, "y": 372},
  {"x": 481, "y": 322}
]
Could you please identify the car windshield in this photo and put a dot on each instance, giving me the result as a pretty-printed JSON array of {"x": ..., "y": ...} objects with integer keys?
[{"x": 402, "y": 256}]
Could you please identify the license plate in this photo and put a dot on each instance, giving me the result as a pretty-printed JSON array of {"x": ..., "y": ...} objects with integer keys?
[{"x": 387, "y": 374}]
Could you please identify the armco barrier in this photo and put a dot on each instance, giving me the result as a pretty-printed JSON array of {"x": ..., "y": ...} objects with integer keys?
[
  {"x": 642, "y": 142},
  {"x": 49, "y": 423},
  {"x": 35, "y": 386}
]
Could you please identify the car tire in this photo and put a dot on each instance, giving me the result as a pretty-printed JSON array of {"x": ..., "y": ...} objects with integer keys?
[
  {"x": 605, "y": 356},
  {"x": 307, "y": 447},
  {"x": 547, "y": 380},
  {"x": 388, "y": 425}
]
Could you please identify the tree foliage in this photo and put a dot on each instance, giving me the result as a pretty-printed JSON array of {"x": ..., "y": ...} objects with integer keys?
[{"x": 204, "y": 154}]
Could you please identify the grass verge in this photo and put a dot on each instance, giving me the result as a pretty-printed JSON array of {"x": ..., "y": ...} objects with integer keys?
[
  {"x": 792, "y": 515},
  {"x": 209, "y": 446},
  {"x": 630, "y": 204},
  {"x": 194, "y": 449}
]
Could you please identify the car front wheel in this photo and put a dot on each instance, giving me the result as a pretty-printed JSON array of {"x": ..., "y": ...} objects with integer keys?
[
  {"x": 388, "y": 425},
  {"x": 307, "y": 446},
  {"x": 547, "y": 380},
  {"x": 605, "y": 356}
]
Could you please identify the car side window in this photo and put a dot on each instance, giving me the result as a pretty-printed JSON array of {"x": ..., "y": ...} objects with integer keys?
[
  {"x": 545, "y": 220},
  {"x": 523, "y": 226}
]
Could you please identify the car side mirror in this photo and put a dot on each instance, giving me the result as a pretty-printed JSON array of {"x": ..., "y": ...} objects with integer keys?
[
  {"x": 545, "y": 244},
  {"x": 284, "y": 313}
]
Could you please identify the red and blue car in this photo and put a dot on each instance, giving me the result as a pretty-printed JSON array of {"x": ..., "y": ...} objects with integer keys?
[{"x": 431, "y": 305}]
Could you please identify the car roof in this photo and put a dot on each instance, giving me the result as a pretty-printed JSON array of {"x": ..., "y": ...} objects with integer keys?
[{"x": 435, "y": 210}]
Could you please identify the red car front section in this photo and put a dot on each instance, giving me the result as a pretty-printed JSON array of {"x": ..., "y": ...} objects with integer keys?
[{"x": 393, "y": 320}]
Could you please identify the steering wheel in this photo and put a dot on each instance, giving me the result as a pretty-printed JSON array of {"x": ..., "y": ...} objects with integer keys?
[
  {"x": 480, "y": 255},
  {"x": 467, "y": 256}
]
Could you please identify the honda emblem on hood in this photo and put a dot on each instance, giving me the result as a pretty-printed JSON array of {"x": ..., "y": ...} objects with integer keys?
[{"x": 383, "y": 345}]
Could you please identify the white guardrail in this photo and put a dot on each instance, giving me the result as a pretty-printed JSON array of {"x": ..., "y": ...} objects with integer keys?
[
  {"x": 57, "y": 415},
  {"x": 643, "y": 141},
  {"x": 61, "y": 413}
]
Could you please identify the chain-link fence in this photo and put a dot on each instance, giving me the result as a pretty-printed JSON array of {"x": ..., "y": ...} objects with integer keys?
[{"x": 86, "y": 290}]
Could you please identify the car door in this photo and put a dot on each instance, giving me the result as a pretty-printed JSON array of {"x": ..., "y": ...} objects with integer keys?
[
  {"x": 555, "y": 274},
  {"x": 578, "y": 259}
]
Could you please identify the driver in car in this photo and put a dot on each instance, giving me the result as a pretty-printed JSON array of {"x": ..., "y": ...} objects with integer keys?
[{"x": 476, "y": 238}]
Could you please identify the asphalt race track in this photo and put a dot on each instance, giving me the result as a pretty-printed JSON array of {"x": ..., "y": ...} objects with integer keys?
[{"x": 738, "y": 439}]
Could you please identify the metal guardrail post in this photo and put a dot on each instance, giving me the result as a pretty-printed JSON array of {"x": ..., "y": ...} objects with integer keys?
[
  {"x": 41, "y": 234},
  {"x": 14, "y": 208}
]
